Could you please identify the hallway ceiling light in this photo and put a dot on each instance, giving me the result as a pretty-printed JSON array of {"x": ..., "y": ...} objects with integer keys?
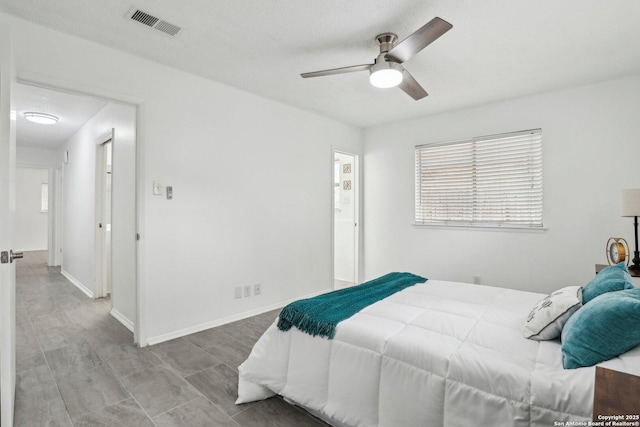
[{"x": 41, "y": 118}]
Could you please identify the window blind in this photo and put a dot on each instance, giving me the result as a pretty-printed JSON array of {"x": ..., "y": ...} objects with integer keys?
[{"x": 485, "y": 181}]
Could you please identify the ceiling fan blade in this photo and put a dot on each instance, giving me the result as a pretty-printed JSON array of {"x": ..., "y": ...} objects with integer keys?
[
  {"x": 333, "y": 71},
  {"x": 417, "y": 41},
  {"x": 411, "y": 87}
]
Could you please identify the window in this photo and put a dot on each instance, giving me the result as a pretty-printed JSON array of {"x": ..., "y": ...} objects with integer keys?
[
  {"x": 44, "y": 197},
  {"x": 493, "y": 181}
]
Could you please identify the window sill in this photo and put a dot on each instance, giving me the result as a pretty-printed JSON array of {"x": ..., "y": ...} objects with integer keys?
[{"x": 504, "y": 228}]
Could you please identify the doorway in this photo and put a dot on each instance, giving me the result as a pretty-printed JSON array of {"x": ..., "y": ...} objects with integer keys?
[
  {"x": 345, "y": 219},
  {"x": 103, "y": 215},
  {"x": 31, "y": 224},
  {"x": 92, "y": 155}
]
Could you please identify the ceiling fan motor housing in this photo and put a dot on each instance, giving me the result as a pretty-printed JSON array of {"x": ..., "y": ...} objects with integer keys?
[
  {"x": 382, "y": 63},
  {"x": 386, "y": 41}
]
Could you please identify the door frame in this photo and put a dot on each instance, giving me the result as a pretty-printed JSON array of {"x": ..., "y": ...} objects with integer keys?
[
  {"x": 56, "y": 257},
  {"x": 356, "y": 215},
  {"x": 52, "y": 212},
  {"x": 102, "y": 265},
  {"x": 47, "y": 82}
]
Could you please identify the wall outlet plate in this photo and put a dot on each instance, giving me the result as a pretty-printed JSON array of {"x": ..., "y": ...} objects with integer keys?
[
  {"x": 257, "y": 289},
  {"x": 247, "y": 291},
  {"x": 238, "y": 291}
]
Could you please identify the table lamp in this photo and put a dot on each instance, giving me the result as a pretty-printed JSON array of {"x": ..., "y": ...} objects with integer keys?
[{"x": 630, "y": 206}]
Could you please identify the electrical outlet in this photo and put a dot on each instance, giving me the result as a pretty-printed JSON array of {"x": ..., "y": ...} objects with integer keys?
[
  {"x": 238, "y": 292},
  {"x": 247, "y": 291},
  {"x": 257, "y": 289}
]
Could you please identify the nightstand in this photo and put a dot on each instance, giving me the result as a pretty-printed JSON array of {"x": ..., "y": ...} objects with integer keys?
[
  {"x": 616, "y": 393},
  {"x": 635, "y": 274}
]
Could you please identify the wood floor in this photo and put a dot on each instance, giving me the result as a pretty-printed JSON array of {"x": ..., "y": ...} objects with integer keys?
[{"x": 77, "y": 365}]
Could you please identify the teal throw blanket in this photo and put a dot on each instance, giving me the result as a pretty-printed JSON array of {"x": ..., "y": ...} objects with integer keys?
[{"x": 320, "y": 315}]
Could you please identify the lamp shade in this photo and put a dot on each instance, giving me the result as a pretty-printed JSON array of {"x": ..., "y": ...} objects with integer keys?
[{"x": 630, "y": 203}]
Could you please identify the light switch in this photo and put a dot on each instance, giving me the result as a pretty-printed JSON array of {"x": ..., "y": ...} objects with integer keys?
[
  {"x": 157, "y": 188},
  {"x": 169, "y": 192}
]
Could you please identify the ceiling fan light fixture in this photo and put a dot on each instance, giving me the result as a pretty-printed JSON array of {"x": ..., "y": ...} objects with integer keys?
[
  {"x": 387, "y": 70},
  {"x": 41, "y": 118},
  {"x": 385, "y": 74},
  {"x": 386, "y": 78}
]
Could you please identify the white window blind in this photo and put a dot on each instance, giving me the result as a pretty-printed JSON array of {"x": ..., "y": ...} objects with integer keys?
[{"x": 486, "y": 181}]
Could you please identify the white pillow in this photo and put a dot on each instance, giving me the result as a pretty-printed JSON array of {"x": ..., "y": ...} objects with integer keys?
[{"x": 546, "y": 319}]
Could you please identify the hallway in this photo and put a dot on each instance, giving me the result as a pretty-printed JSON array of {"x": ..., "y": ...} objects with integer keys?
[
  {"x": 59, "y": 332},
  {"x": 78, "y": 366}
]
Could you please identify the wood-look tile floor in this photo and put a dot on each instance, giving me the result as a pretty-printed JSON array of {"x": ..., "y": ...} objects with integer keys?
[{"x": 78, "y": 366}]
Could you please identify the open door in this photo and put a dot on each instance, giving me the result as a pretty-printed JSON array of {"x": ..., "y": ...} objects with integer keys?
[
  {"x": 7, "y": 207},
  {"x": 345, "y": 220},
  {"x": 103, "y": 215}
]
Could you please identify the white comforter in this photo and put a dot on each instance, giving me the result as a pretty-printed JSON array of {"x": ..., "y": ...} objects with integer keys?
[{"x": 435, "y": 354}]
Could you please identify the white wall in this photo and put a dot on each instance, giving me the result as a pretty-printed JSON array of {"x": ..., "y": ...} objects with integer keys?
[
  {"x": 251, "y": 202},
  {"x": 251, "y": 177},
  {"x": 30, "y": 223},
  {"x": 35, "y": 157},
  {"x": 78, "y": 207},
  {"x": 123, "y": 210},
  {"x": 79, "y": 195},
  {"x": 590, "y": 153}
]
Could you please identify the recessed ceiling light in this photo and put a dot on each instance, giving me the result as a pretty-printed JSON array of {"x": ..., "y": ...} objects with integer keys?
[{"x": 41, "y": 118}]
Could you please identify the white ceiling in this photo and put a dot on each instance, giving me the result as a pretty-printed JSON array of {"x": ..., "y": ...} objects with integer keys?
[
  {"x": 497, "y": 49},
  {"x": 73, "y": 112}
]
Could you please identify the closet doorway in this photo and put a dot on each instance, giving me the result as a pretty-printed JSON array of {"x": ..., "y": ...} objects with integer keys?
[{"x": 345, "y": 219}]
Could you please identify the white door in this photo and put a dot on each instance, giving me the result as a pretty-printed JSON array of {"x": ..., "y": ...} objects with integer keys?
[
  {"x": 103, "y": 216},
  {"x": 7, "y": 268},
  {"x": 345, "y": 220},
  {"x": 56, "y": 256}
]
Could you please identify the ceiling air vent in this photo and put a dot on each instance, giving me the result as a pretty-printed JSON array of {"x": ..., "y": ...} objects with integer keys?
[{"x": 153, "y": 22}]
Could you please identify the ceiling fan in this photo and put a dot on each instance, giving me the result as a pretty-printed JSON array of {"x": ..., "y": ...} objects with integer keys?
[{"x": 387, "y": 70}]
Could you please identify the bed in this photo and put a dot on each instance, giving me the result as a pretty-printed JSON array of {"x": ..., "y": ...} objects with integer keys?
[{"x": 435, "y": 354}]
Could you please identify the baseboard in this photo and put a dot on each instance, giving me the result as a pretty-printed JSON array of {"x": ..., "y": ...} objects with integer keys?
[
  {"x": 78, "y": 284},
  {"x": 223, "y": 321},
  {"x": 122, "y": 319}
]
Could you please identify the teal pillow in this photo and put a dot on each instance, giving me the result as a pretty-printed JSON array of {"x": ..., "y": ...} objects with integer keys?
[
  {"x": 613, "y": 278},
  {"x": 603, "y": 329}
]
